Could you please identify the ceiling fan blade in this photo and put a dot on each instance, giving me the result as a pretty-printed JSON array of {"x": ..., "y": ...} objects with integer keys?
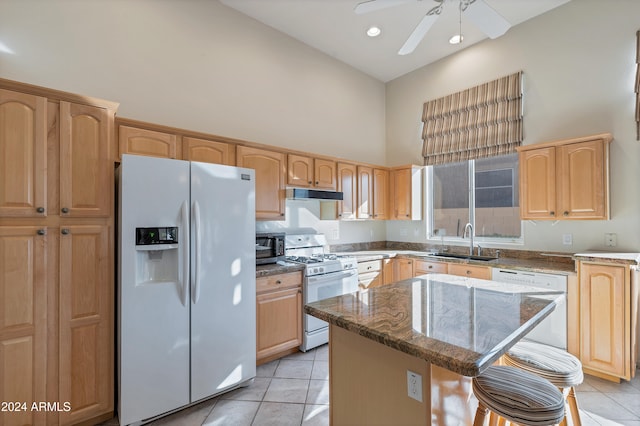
[
  {"x": 420, "y": 31},
  {"x": 373, "y": 5},
  {"x": 486, "y": 18}
]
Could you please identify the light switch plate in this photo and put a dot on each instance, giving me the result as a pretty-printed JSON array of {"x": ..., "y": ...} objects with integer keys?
[{"x": 567, "y": 239}]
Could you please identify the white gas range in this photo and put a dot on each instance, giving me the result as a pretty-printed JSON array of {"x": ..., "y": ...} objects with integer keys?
[{"x": 326, "y": 275}]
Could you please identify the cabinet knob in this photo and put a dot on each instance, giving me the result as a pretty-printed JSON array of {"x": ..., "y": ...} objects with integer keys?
[
  {"x": 430, "y": 266},
  {"x": 64, "y": 210},
  {"x": 41, "y": 232},
  {"x": 368, "y": 267},
  {"x": 468, "y": 272},
  {"x": 64, "y": 231},
  {"x": 309, "y": 182},
  {"x": 317, "y": 182},
  {"x": 552, "y": 213},
  {"x": 565, "y": 214},
  {"x": 278, "y": 282},
  {"x": 40, "y": 209}
]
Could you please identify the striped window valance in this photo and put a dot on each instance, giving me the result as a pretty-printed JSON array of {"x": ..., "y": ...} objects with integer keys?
[{"x": 482, "y": 121}]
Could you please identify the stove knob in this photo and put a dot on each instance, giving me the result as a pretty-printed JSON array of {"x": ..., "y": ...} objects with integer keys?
[{"x": 321, "y": 269}]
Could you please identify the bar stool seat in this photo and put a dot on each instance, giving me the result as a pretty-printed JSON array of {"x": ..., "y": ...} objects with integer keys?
[
  {"x": 559, "y": 367},
  {"x": 518, "y": 396}
]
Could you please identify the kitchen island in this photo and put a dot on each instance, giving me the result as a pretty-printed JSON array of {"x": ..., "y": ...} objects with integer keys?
[{"x": 425, "y": 336}]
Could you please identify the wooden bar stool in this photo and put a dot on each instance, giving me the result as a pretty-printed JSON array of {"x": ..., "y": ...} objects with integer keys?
[
  {"x": 517, "y": 396},
  {"x": 559, "y": 367}
]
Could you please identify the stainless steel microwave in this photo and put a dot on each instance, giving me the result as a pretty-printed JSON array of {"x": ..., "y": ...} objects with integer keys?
[{"x": 269, "y": 248}]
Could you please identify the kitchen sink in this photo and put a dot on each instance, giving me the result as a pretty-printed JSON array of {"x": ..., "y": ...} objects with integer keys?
[{"x": 464, "y": 256}]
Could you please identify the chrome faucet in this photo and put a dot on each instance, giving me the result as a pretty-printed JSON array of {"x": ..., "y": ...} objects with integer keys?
[{"x": 469, "y": 227}]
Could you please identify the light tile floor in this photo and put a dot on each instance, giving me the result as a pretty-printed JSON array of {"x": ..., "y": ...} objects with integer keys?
[{"x": 295, "y": 391}]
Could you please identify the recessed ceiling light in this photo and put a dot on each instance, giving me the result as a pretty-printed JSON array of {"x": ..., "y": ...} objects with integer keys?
[
  {"x": 456, "y": 39},
  {"x": 374, "y": 31}
]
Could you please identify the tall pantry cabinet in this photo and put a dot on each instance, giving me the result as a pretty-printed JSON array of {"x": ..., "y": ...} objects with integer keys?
[{"x": 56, "y": 264}]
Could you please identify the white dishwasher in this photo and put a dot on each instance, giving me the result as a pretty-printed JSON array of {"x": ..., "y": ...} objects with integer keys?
[{"x": 553, "y": 329}]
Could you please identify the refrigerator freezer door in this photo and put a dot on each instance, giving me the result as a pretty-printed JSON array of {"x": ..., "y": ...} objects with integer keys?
[
  {"x": 153, "y": 302},
  {"x": 223, "y": 321}
]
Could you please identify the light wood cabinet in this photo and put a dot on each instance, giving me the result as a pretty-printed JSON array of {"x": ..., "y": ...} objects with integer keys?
[
  {"x": 380, "y": 194},
  {"x": 608, "y": 309},
  {"x": 270, "y": 168},
  {"x": 23, "y": 135},
  {"x": 566, "y": 179},
  {"x": 406, "y": 193},
  {"x": 347, "y": 181},
  {"x": 402, "y": 269},
  {"x": 86, "y": 323},
  {"x": 208, "y": 151},
  {"x": 278, "y": 315},
  {"x": 365, "y": 192},
  {"x": 56, "y": 253},
  {"x": 23, "y": 323},
  {"x": 152, "y": 143},
  {"x": 471, "y": 271},
  {"x": 86, "y": 161},
  {"x": 421, "y": 267},
  {"x": 310, "y": 172}
]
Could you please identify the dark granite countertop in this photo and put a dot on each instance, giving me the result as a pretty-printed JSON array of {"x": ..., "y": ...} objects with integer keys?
[
  {"x": 458, "y": 323},
  {"x": 548, "y": 265},
  {"x": 278, "y": 268},
  {"x": 610, "y": 257}
]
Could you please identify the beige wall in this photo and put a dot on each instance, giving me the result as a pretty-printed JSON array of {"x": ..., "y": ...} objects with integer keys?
[
  {"x": 199, "y": 65},
  {"x": 579, "y": 69}
]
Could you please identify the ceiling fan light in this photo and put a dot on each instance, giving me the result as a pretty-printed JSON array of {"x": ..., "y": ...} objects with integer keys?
[
  {"x": 456, "y": 39},
  {"x": 373, "y": 31}
]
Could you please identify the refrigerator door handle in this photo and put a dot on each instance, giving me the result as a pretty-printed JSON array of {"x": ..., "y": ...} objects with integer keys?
[
  {"x": 198, "y": 257},
  {"x": 185, "y": 252}
]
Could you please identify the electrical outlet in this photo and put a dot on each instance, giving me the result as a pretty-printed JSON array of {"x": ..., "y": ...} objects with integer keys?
[
  {"x": 610, "y": 240},
  {"x": 414, "y": 385},
  {"x": 567, "y": 239}
]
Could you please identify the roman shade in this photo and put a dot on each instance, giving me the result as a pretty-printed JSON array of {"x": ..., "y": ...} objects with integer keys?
[{"x": 479, "y": 122}]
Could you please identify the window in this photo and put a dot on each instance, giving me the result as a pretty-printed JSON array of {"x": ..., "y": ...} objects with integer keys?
[{"x": 483, "y": 192}]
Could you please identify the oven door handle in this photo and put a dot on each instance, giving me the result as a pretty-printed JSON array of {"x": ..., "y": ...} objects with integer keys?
[{"x": 330, "y": 277}]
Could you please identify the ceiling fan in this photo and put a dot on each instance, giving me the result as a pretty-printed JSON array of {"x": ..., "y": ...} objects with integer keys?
[{"x": 480, "y": 13}]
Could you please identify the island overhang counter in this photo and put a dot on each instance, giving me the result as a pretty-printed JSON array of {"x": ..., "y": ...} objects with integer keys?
[{"x": 425, "y": 337}]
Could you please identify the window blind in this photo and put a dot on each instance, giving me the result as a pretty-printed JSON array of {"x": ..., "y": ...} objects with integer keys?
[{"x": 479, "y": 122}]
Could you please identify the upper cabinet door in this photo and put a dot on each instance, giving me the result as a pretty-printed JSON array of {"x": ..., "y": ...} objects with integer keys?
[
  {"x": 207, "y": 151},
  {"x": 325, "y": 174},
  {"x": 23, "y": 155},
  {"x": 147, "y": 142},
  {"x": 380, "y": 194},
  {"x": 365, "y": 192},
  {"x": 538, "y": 183},
  {"x": 347, "y": 185},
  {"x": 86, "y": 161},
  {"x": 270, "y": 167},
  {"x": 583, "y": 181},
  {"x": 300, "y": 171}
]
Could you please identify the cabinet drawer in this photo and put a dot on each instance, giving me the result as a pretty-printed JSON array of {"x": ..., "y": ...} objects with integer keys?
[
  {"x": 424, "y": 267},
  {"x": 471, "y": 271},
  {"x": 369, "y": 266},
  {"x": 277, "y": 282}
]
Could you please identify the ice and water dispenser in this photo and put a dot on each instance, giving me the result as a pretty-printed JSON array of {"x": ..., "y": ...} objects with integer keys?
[{"x": 157, "y": 255}]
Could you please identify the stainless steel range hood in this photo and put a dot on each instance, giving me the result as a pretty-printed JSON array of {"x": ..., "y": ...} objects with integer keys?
[{"x": 313, "y": 194}]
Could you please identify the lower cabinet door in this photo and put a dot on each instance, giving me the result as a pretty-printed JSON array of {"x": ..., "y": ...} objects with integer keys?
[
  {"x": 23, "y": 322},
  {"x": 86, "y": 323},
  {"x": 279, "y": 321},
  {"x": 603, "y": 317}
]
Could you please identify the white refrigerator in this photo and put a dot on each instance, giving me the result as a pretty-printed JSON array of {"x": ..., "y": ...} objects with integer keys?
[{"x": 186, "y": 284}]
